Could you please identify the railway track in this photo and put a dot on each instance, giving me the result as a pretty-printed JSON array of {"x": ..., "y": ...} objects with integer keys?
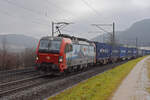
[
  {"x": 56, "y": 83},
  {"x": 18, "y": 77},
  {"x": 10, "y": 73},
  {"x": 16, "y": 70},
  {"x": 10, "y": 87}
]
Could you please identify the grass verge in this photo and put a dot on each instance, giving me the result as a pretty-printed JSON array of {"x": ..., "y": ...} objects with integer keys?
[
  {"x": 148, "y": 70},
  {"x": 148, "y": 67},
  {"x": 99, "y": 87}
]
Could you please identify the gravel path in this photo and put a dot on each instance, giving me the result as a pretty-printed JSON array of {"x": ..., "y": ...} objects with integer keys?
[{"x": 134, "y": 85}]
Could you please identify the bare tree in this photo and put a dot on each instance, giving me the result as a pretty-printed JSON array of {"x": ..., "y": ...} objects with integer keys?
[
  {"x": 13, "y": 60},
  {"x": 28, "y": 57},
  {"x": 0, "y": 59},
  {"x": 18, "y": 60},
  {"x": 4, "y": 53}
]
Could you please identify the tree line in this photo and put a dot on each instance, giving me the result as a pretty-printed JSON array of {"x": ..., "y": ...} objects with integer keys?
[{"x": 15, "y": 60}]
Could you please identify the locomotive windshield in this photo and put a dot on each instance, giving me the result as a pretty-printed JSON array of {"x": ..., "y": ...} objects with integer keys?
[{"x": 49, "y": 46}]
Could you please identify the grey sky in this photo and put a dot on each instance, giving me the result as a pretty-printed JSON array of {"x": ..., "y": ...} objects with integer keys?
[{"x": 33, "y": 17}]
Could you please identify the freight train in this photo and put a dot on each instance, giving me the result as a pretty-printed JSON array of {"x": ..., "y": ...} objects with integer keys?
[{"x": 65, "y": 53}]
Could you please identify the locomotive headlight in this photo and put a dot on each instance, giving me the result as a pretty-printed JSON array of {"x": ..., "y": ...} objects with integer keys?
[
  {"x": 61, "y": 59},
  {"x": 37, "y": 58}
]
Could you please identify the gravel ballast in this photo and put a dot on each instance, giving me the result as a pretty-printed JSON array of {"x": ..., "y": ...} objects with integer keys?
[{"x": 55, "y": 86}]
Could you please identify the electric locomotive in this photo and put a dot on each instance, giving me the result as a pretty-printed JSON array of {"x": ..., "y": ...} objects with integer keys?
[{"x": 64, "y": 53}]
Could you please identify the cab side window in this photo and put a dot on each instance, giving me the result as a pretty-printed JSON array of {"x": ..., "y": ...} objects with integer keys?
[{"x": 68, "y": 48}]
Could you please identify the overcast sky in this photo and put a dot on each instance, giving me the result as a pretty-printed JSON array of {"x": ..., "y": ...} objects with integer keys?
[{"x": 34, "y": 17}]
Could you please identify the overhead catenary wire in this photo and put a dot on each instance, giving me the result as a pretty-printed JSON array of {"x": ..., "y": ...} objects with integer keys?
[
  {"x": 61, "y": 9},
  {"x": 67, "y": 30},
  {"x": 7, "y": 13},
  {"x": 39, "y": 13},
  {"x": 61, "y": 28},
  {"x": 28, "y": 9},
  {"x": 91, "y": 7},
  {"x": 101, "y": 28},
  {"x": 32, "y": 21}
]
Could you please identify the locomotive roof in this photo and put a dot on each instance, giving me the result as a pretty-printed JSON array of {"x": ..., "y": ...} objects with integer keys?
[
  {"x": 51, "y": 38},
  {"x": 74, "y": 38}
]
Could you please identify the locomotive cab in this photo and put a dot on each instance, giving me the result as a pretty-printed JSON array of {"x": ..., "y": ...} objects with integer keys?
[
  {"x": 50, "y": 54},
  {"x": 63, "y": 54}
]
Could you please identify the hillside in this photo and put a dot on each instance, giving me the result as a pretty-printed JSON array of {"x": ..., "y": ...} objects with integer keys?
[
  {"x": 18, "y": 42},
  {"x": 140, "y": 29}
]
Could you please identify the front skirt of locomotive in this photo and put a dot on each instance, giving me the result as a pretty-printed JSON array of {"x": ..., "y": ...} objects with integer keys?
[{"x": 47, "y": 67}]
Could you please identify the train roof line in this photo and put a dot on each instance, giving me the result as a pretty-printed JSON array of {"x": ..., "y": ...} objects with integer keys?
[{"x": 74, "y": 38}]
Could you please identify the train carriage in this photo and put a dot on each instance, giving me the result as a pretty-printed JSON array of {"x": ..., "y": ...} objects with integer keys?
[
  {"x": 143, "y": 52},
  {"x": 140, "y": 52},
  {"x": 103, "y": 52},
  {"x": 115, "y": 53},
  {"x": 129, "y": 53},
  {"x": 134, "y": 52},
  {"x": 147, "y": 52},
  {"x": 123, "y": 53}
]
